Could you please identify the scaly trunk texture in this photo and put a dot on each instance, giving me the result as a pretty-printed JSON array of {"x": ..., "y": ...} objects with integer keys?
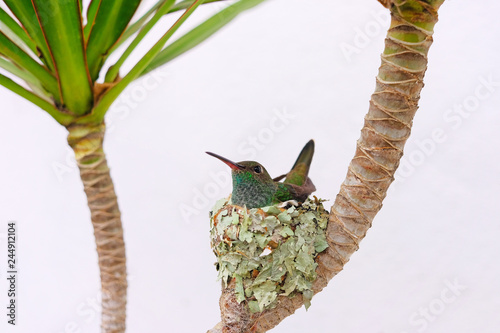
[
  {"x": 86, "y": 141},
  {"x": 379, "y": 150}
]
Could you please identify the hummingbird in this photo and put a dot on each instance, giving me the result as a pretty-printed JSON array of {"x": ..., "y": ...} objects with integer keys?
[{"x": 253, "y": 187}]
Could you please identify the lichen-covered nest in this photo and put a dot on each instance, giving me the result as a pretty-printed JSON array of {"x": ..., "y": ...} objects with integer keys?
[{"x": 268, "y": 251}]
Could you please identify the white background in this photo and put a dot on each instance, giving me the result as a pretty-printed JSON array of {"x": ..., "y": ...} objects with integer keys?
[{"x": 439, "y": 224}]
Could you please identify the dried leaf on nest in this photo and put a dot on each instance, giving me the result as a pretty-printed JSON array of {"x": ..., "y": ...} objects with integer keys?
[{"x": 269, "y": 251}]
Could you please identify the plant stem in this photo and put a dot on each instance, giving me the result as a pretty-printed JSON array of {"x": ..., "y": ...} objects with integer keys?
[
  {"x": 86, "y": 140},
  {"x": 379, "y": 149}
]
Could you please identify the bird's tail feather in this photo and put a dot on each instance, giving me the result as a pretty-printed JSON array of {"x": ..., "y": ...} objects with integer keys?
[{"x": 300, "y": 169}]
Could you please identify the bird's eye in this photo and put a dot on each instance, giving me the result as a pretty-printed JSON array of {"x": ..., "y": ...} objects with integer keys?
[{"x": 257, "y": 169}]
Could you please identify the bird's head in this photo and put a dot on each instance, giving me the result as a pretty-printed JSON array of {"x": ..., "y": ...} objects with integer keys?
[{"x": 246, "y": 171}]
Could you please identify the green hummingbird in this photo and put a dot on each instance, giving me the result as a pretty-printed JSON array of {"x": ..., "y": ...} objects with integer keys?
[{"x": 253, "y": 187}]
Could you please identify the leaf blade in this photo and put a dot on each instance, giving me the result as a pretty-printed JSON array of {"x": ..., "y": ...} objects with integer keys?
[
  {"x": 113, "y": 71},
  {"x": 25, "y": 13},
  {"x": 91, "y": 14},
  {"x": 63, "y": 32},
  {"x": 186, "y": 3},
  {"x": 15, "y": 54},
  {"x": 137, "y": 25},
  {"x": 134, "y": 27},
  {"x": 111, "y": 20},
  {"x": 62, "y": 118},
  {"x": 110, "y": 96},
  {"x": 16, "y": 29},
  {"x": 201, "y": 33},
  {"x": 32, "y": 81}
]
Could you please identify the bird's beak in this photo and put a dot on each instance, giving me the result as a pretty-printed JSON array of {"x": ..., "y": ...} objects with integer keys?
[{"x": 232, "y": 165}]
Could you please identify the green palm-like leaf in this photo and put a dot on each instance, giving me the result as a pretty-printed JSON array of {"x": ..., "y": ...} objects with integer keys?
[
  {"x": 137, "y": 25},
  {"x": 115, "y": 69},
  {"x": 110, "y": 21},
  {"x": 200, "y": 33},
  {"x": 25, "y": 13},
  {"x": 60, "y": 117},
  {"x": 64, "y": 36},
  {"x": 186, "y": 3},
  {"x": 91, "y": 14},
  {"x": 16, "y": 30},
  {"x": 106, "y": 101},
  {"x": 17, "y": 71},
  {"x": 10, "y": 50},
  {"x": 30, "y": 80}
]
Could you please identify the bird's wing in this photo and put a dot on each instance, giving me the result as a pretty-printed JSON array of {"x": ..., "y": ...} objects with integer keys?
[
  {"x": 277, "y": 179},
  {"x": 300, "y": 193}
]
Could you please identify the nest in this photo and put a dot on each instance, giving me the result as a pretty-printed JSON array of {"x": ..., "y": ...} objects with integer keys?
[{"x": 268, "y": 251}]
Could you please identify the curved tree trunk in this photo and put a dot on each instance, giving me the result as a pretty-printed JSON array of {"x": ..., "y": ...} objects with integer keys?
[
  {"x": 379, "y": 149},
  {"x": 86, "y": 141}
]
